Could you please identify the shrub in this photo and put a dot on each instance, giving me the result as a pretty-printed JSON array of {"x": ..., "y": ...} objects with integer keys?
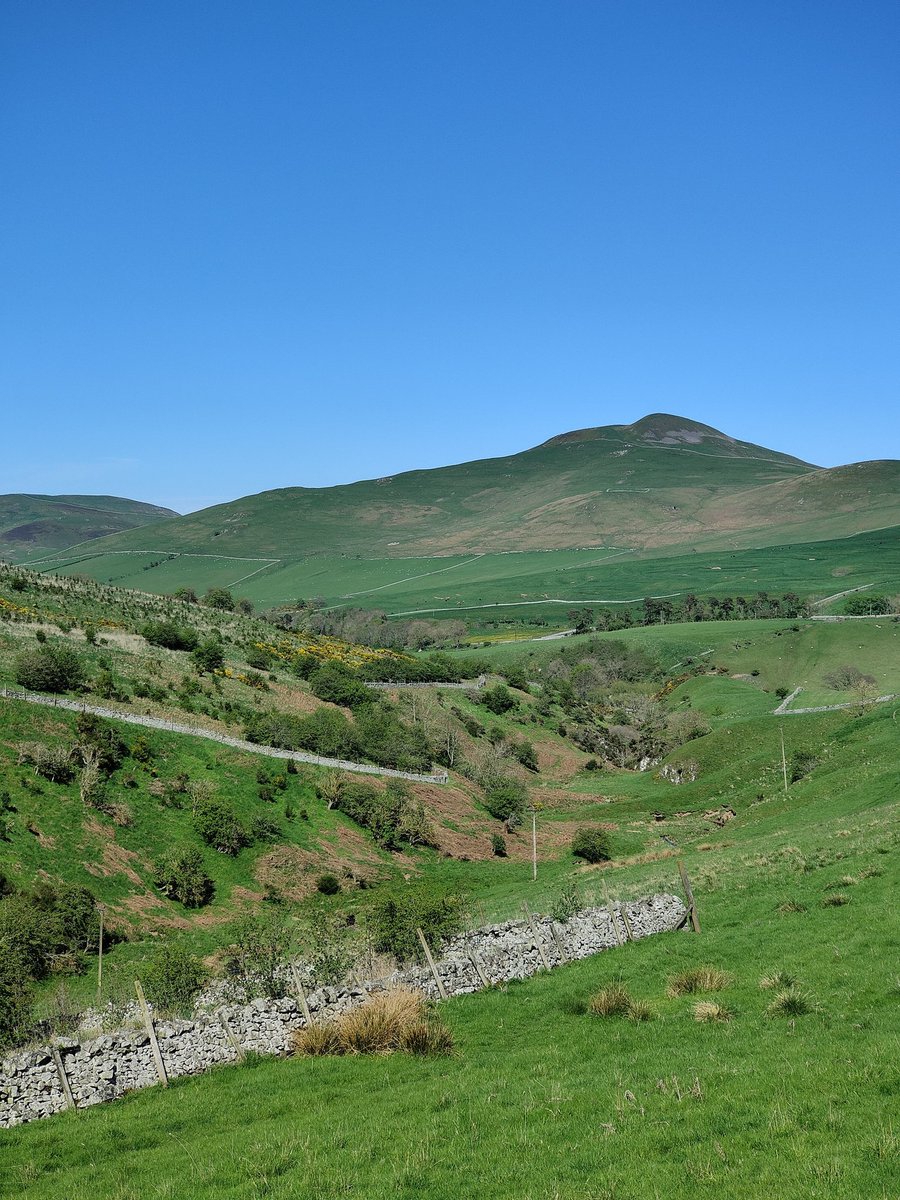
[
  {"x": 396, "y": 916},
  {"x": 498, "y": 845},
  {"x": 221, "y": 598},
  {"x": 53, "y": 667},
  {"x": 708, "y": 1012},
  {"x": 181, "y": 876},
  {"x": 614, "y": 1000},
  {"x": 208, "y": 656},
  {"x": 506, "y": 801},
  {"x": 567, "y": 903},
  {"x": 698, "y": 979},
  {"x": 801, "y": 764},
  {"x": 170, "y": 635},
  {"x": 328, "y": 884},
  {"x": 393, "y": 816},
  {"x": 254, "y": 962},
  {"x": 175, "y": 977},
  {"x": 339, "y": 685},
  {"x": 16, "y": 997},
  {"x": 592, "y": 844},
  {"x": 219, "y": 826},
  {"x": 790, "y": 1002},
  {"x": 53, "y": 763},
  {"x": 525, "y": 752},
  {"x": 498, "y": 699}
]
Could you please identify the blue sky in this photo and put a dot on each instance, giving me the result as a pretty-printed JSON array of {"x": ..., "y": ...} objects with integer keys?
[{"x": 258, "y": 245}]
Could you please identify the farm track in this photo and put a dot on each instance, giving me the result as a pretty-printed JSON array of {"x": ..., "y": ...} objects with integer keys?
[{"x": 223, "y": 738}]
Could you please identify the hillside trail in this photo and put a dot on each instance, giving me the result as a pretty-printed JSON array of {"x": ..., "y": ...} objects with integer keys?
[{"x": 223, "y": 738}]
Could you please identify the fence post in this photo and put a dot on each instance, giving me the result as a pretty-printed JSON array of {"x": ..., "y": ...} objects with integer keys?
[
  {"x": 230, "y": 1034},
  {"x": 623, "y": 913},
  {"x": 612, "y": 915},
  {"x": 63, "y": 1078},
  {"x": 689, "y": 892},
  {"x": 479, "y": 969},
  {"x": 442, "y": 991},
  {"x": 301, "y": 994},
  {"x": 151, "y": 1033},
  {"x": 534, "y": 934}
]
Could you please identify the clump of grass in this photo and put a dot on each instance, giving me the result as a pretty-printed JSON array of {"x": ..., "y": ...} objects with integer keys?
[
  {"x": 844, "y": 881},
  {"x": 394, "y": 1020},
  {"x": 640, "y": 1010},
  {"x": 698, "y": 979},
  {"x": 835, "y": 900},
  {"x": 790, "y": 1002},
  {"x": 614, "y": 1000},
  {"x": 708, "y": 1012},
  {"x": 317, "y": 1039},
  {"x": 778, "y": 980},
  {"x": 790, "y": 906}
]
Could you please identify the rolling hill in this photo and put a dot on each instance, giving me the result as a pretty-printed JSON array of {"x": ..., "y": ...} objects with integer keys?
[
  {"x": 34, "y": 525},
  {"x": 660, "y": 487}
]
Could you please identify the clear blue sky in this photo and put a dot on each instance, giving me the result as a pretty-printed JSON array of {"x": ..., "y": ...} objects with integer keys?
[{"x": 250, "y": 245}]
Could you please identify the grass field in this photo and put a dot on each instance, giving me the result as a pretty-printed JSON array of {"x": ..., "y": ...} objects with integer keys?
[
  {"x": 517, "y": 588},
  {"x": 543, "y": 1100}
]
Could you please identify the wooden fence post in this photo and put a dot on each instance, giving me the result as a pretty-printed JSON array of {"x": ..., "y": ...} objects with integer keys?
[
  {"x": 537, "y": 940},
  {"x": 442, "y": 991},
  {"x": 688, "y": 891},
  {"x": 623, "y": 913},
  {"x": 479, "y": 969},
  {"x": 232, "y": 1037},
  {"x": 151, "y": 1033},
  {"x": 563, "y": 957},
  {"x": 63, "y": 1078},
  {"x": 612, "y": 915},
  {"x": 301, "y": 994}
]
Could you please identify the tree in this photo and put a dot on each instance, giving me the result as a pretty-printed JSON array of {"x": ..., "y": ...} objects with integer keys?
[
  {"x": 175, "y": 977},
  {"x": 592, "y": 844},
  {"x": 219, "y": 826},
  {"x": 221, "y": 598},
  {"x": 498, "y": 699},
  {"x": 209, "y": 656},
  {"x": 181, "y": 876}
]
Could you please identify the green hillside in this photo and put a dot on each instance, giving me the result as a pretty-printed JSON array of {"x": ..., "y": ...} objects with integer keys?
[{"x": 32, "y": 526}]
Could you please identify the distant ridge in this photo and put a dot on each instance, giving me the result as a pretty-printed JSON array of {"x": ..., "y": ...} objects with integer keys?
[
  {"x": 662, "y": 485},
  {"x": 34, "y": 524}
]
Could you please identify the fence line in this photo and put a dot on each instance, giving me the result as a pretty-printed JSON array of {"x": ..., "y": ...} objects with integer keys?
[{"x": 149, "y": 722}]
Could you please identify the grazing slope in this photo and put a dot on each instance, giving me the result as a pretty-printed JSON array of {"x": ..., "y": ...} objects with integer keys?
[{"x": 35, "y": 525}]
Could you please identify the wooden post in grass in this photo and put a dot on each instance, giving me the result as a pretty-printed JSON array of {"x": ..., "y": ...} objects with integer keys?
[
  {"x": 612, "y": 915},
  {"x": 151, "y": 1033},
  {"x": 301, "y": 994},
  {"x": 533, "y": 844},
  {"x": 479, "y": 969},
  {"x": 688, "y": 891},
  {"x": 563, "y": 957},
  {"x": 534, "y": 934},
  {"x": 783, "y": 759},
  {"x": 63, "y": 1078},
  {"x": 442, "y": 991}
]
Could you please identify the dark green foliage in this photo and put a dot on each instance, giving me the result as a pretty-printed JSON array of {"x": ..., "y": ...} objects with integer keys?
[
  {"x": 869, "y": 605},
  {"x": 328, "y": 884},
  {"x": 170, "y": 635},
  {"x": 219, "y": 826},
  {"x": 101, "y": 741},
  {"x": 16, "y": 996},
  {"x": 263, "y": 828},
  {"x": 48, "y": 928},
  {"x": 802, "y": 762},
  {"x": 397, "y": 915},
  {"x": 393, "y": 816},
  {"x": 525, "y": 752},
  {"x": 175, "y": 978},
  {"x": 187, "y": 594},
  {"x": 209, "y": 655},
  {"x": 384, "y": 739},
  {"x": 182, "y": 876},
  {"x": 498, "y": 699},
  {"x": 592, "y": 844},
  {"x": 339, "y": 685},
  {"x": 219, "y": 598},
  {"x": 52, "y": 667},
  {"x": 507, "y": 801},
  {"x": 498, "y": 845},
  {"x": 254, "y": 963}
]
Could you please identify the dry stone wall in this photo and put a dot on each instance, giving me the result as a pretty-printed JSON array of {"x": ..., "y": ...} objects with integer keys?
[{"x": 34, "y": 1082}]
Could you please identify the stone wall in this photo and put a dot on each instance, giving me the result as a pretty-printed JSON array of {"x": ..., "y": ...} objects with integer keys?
[{"x": 107, "y": 1066}]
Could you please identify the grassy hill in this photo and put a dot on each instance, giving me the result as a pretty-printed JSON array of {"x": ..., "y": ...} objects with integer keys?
[
  {"x": 32, "y": 526},
  {"x": 587, "y": 499}
]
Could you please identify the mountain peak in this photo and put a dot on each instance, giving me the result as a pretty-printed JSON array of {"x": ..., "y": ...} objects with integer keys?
[{"x": 671, "y": 430}]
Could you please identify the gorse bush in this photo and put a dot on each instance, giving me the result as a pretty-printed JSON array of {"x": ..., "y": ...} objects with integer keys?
[
  {"x": 219, "y": 826},
  {"x": 592, "y": 844},
  {"x": 397, "y": 915},
  {"x": 170, "y": 635},
  {"x": 52, "y": 667}
]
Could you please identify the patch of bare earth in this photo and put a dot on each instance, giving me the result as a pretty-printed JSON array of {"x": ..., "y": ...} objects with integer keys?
[{"x": 114, "y": 859}]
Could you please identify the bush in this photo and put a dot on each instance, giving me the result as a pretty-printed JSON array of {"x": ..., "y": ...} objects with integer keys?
[
  {"x": 254, "y": 963},
  {"x": 219, "y": 826},
  {"x": 498, "y": 845},
  {"x": 328, "y": 884},
  {"x": 498, "y": 699},
  {"x": 592, "y": 844},
  {"x": 219, "y": 598},
  {"x": 801, "y": 764},
  {"x": 175, "y": 978},
  {"x": 208, "y": 656},
  {"x": 506, "y": 802},
  {"x": 53, "y": 667},
  {"x": 181, "y": 876},
  {"x": 16, "y": 996},
  {"x": 170, "y": 635},
  {"x": 394, "y": 817},
  {"x": 396, "y": 916},
  {"x": 339, "y": 685},
  {"x": 525, "y": 752}
]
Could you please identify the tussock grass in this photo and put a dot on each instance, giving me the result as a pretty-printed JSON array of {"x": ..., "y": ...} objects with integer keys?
[
  {"x": 790, "y": 1002},
  {"x": 614, "y": 1000},
  {"x": 640, "y": 1010},
  {"x": 778, "y": 980},
  {"x": 394, "y": 1020},
  {"x": 698, "y": 979},
  {"x": 791, "y": 906},
  {"x": 709, "y": 1012},
  {"x": 835, "y": 900}
]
